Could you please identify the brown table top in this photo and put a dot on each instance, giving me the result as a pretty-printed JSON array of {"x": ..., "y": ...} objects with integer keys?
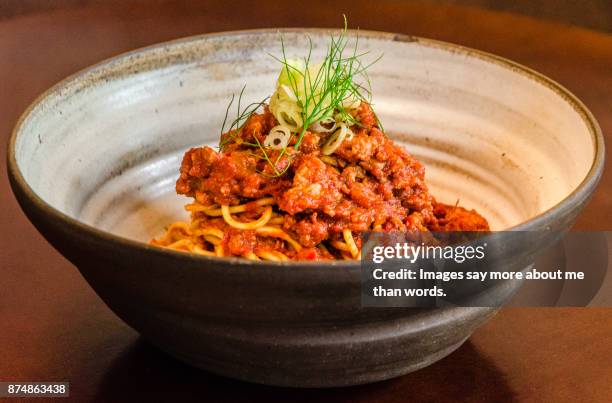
[{"x": 54, "y": 327}]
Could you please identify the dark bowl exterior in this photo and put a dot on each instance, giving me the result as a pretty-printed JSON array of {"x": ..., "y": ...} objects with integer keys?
[{"x": 298, "y": 325}]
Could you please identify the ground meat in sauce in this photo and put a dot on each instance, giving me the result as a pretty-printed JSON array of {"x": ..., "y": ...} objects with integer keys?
[
  {"x": 315, "y": 187},
  {"x": 455, "y": 218},
  {"x": 373, "y": 183}
]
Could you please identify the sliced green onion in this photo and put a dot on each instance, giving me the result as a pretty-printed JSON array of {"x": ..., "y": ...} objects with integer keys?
[
  {"x": 278, "y": 138},
  {"x": 327, "y": 125},
  {"x": 332, "y": 144},
  {"x": 351, "y": 102}
]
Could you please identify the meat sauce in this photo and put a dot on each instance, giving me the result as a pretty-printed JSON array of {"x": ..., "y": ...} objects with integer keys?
[{"x": 368, "y": 183}]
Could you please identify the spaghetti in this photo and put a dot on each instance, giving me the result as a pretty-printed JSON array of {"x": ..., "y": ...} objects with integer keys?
[{"x": 205, "y": 233}]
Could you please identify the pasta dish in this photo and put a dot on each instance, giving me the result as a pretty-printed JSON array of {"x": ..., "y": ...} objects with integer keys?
[{"x": 300, "y": 175}]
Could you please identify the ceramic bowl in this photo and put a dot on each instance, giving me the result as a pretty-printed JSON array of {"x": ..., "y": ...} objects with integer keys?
[{"x": 94, "y": 160}]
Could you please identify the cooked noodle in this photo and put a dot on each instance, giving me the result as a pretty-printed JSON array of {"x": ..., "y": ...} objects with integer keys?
[{"x": 201, "y": 238}]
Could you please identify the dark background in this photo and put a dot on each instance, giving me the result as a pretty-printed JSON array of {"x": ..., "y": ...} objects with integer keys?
[
  {"x": 594, "y": 14},
  {"x": 53, "y": 326}
]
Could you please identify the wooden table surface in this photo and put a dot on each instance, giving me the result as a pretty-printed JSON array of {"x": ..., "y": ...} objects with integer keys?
[{"x": 53, "y": 326}]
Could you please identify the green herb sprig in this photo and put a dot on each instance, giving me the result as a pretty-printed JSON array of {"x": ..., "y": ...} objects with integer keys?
[
  {"x": 334, "y": 83},
  {"x": 242, "y": 115},
  {"x": 321, "y": 95}
]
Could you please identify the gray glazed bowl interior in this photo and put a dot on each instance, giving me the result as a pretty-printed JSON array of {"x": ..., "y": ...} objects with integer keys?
[
  {"x": 104, "y": 148},
  {"x": 94, "y": 160}
]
